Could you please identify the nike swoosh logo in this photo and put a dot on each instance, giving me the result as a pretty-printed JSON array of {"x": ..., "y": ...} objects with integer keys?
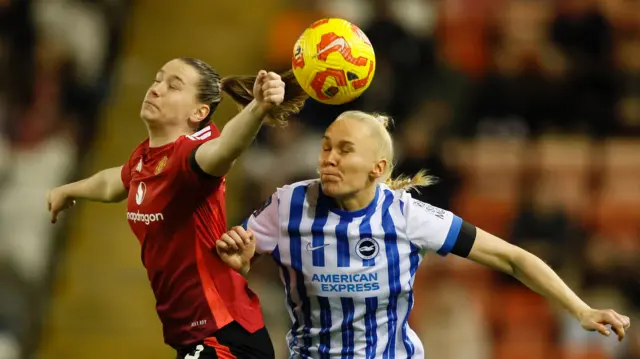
[
  {"x": 337, "y": 42},
  {"x": 311, "y": 249}
]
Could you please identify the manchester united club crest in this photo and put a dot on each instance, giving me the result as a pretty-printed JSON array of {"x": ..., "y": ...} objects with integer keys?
[{"x": 161, "y": 165}]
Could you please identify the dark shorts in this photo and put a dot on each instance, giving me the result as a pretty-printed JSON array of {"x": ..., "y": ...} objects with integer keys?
[{"x": 231, "y": 342}]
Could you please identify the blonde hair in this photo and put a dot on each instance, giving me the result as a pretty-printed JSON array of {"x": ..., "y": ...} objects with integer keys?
[{"x": 380, "y": 124}]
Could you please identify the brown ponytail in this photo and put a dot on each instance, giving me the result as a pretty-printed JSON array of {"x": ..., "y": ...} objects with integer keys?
[{"x": 240, "y": 89}]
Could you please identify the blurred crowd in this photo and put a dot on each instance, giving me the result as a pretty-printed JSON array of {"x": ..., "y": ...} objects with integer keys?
[
  {"x": 55, "y": 63},
  {"x": 528, "y": 112}
]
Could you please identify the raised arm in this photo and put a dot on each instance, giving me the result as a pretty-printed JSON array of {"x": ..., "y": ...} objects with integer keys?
[
  {"x": 216, "y": 157},
  {"x": 105, "y": 186}
]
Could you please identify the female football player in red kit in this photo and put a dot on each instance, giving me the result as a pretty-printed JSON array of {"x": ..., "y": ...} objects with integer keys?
[{"x": 174, "y": 185}]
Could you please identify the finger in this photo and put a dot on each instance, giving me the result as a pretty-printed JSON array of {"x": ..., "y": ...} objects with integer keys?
[
  {"x": 273, "y": 84},
  {"x": 627, "y": 321},
  {"x": 273, "y": 93},
  {"x": 230, "y": 242},
  {"x": 619, "y": 330},
  {"x": 54, "y": 216},
  {"x": 611, "y": 318},
  {"x": 623, "y": 319},
  {"x": 618, "y": 327},
  {"x": 602, "y": 330},
  {"x": 619, "y": 318},
  {"x": 222, "y": 245},
  {"x": 239, "y": 242},
  {"x": 272, "y": 76},
  {"x": 244, "y": 234},
  {"x": 261, "y": 76}
]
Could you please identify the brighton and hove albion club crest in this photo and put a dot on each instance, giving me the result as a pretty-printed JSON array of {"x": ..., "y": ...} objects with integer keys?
[
  {"x": 161, "y": 165},
  {"x": 140, "y": 193},
  {"x": 367, "y": 248}
]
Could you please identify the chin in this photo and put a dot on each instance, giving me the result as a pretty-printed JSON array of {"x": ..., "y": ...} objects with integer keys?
[
  {"x": 146, "y": 115},
  {"x": 331, "y": 189}
]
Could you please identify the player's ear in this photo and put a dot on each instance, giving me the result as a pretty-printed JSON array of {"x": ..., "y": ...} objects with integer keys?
[
  {"x": 379, "y": 168},
  {"x": 200, "y": 113}
]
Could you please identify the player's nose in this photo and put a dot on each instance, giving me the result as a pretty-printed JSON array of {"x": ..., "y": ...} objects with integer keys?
[
  {"x": 154, "y": 92},
  {"x": 332, "y": 158}
]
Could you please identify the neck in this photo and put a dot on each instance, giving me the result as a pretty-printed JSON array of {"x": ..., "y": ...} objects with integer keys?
[
  {"x": 358, "y": 200},
  {"x": 162, "y": 135}
]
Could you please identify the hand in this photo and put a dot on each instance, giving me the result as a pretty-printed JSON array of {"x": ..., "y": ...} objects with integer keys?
[
  {"x": 236, "y": 248},
  {"x": 268, "y": 90},
  {"x": 57, "y": 201},
  {"x": 597, "y": 320}
]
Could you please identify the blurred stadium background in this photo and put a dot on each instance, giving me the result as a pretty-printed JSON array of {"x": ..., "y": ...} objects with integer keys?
[{"x": 527, "y": 110}]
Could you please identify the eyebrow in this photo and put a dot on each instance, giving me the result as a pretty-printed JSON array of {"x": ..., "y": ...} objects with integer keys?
[
  {"x": 172, "y": 76},
  {"x": 341, "y": 143}
]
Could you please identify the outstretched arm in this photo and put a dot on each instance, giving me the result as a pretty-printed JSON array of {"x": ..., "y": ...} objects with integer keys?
[
  {"x": 216, "y": 157},
  {"x": 441, "y": 231},
  {"x": 534, "y": 273},
  {"x": 105, "y": 186}
]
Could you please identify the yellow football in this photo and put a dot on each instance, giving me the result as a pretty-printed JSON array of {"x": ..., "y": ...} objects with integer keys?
[{"x": 333, "y": 61}]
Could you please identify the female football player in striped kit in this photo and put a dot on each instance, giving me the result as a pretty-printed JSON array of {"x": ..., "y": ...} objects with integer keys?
[
  {"x": 175, "y": 191},
  {"x": 349, "y": 244}
]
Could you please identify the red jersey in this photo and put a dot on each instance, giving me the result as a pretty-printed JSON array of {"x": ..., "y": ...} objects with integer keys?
[{"x": 177, "y": 212}]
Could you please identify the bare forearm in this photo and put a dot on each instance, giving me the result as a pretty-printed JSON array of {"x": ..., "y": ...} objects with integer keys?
[
  {"x": 104, "y": 186},
  {"x": 538, "y": 276},
  {"x": 216, "y": 157},
  {"x": 237, "y": 134}
]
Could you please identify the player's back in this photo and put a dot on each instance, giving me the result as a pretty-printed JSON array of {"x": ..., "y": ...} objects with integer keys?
[{"x": 177, "y": 212}]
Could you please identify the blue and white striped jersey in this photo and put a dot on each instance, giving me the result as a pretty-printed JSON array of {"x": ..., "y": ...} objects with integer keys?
[{"x": 348, "y": 276}]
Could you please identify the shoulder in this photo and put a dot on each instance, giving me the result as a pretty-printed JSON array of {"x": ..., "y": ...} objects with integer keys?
[
  {"x": 206, "y": 134},
  {"x": 299, "y": 186},
  {"x": 185, "y": 146},
  {"x": 403, "y": 201},
  {"x": 298, "y": 192},
  {"x": 394, "y": 196}
]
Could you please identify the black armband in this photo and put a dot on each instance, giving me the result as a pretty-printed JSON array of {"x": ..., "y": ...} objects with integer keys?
[
  {"x": 195, "y": 167},
  {"x": 465, "y": 240}
]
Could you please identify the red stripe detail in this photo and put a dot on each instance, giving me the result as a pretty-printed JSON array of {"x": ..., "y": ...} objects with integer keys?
[
  {"x": 216, "y": 304},
  {"x": 222, "y": 351},
  {"x": 363, "y": 82},
  {"x": 318, "y": 23}
]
